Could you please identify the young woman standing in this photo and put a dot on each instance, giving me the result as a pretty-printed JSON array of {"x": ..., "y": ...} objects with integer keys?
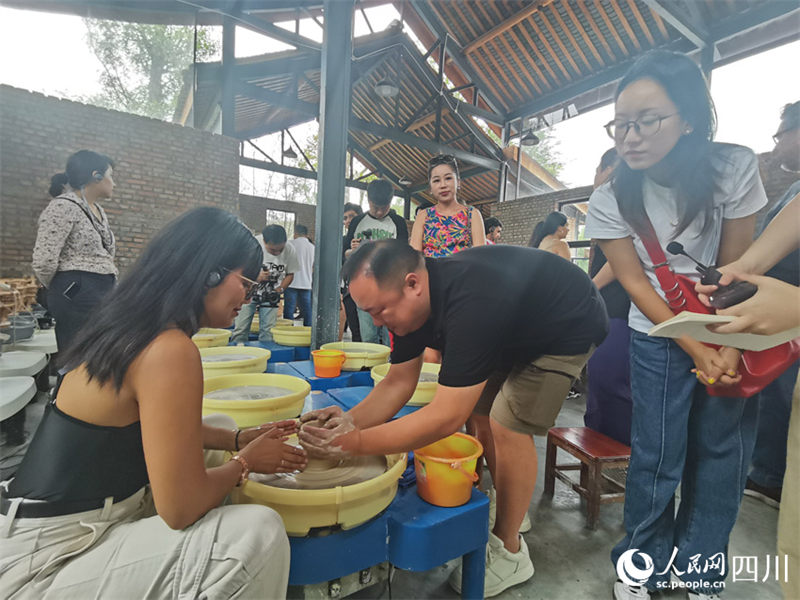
[{"x": 704, "y": 195}]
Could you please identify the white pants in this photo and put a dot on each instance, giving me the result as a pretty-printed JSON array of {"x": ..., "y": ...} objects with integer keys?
[{"x": 121, "y": 552}]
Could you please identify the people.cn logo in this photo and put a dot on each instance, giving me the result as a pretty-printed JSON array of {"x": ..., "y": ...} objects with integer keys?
[{"x": 630, "y": 573}]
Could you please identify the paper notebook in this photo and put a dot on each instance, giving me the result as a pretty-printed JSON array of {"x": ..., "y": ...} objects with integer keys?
[{"x": 694, "y": 325}]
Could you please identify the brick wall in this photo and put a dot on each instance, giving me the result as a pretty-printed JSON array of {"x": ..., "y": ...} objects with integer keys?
[
  {"x": 161, "y": 170},
  {"x": 253, "y": 210},
  {"x": 520, "y": 216}
]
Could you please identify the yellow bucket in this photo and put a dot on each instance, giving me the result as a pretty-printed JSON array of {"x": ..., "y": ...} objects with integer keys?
[
  {"x": 425, "y": 390},
  {"x": 209, "y": 337},
  {"x": 360, "y": 354},
  {"x": 292, "y": 336},
  {"x": 327, "y": 363},
  {"x": 446, "y": 469}
]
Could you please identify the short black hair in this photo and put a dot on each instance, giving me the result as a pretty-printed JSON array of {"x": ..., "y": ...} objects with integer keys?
[
  {"x": 274, "y": 234},
  {"x": 379, "y": 192},
  {"x": 387, "y": 261},
  {"x": 491, "y": 223},
  {"x": 349, "y": 206},
  {"x": 790, "y": 116},
  {"x": 443, "y": 159},
  {"x": 80, "y": 171},
  {"x": 301, "y": 230}
]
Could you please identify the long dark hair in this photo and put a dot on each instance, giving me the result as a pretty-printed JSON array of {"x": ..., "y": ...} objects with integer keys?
[
  {"x": 547, "y": 227},
  {"x": 684, "y": 83},
  {"x": 165, "y": 288}
]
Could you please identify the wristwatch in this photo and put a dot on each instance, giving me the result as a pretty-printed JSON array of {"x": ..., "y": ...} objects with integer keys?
[{"x": 245, "y": 468}]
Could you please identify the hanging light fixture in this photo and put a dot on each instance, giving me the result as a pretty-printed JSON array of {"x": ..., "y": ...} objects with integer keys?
[
  {"x": 386, "y": 88},
  {"x": 289, "y": 153},
  {"x": 404, "y": 181},
  {"x": 529, "y": 139}
]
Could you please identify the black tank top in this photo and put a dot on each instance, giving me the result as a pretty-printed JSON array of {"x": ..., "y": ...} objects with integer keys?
[{"x": 71, "y": 460}]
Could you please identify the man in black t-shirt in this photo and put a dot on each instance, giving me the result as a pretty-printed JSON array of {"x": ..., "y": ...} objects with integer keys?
[{"x": 515, "y": 326}]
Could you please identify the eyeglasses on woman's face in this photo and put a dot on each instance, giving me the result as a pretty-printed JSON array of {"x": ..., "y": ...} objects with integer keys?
[
  {"x": 249, "y": 284},
  {"x": 646, "y": 126}
]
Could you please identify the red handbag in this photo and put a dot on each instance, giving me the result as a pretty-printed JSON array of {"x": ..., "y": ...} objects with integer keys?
[{"x": 758, "y": 368}]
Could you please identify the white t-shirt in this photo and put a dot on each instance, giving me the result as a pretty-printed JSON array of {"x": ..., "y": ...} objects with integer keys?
[
  {"x": 287, "y": 258},
  {"x": 383, "y": 229},
  {"x": 739, "y": 193},
  {"x": 305, "y": 257}
]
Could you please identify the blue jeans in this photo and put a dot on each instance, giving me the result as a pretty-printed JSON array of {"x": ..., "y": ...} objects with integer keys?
[
  {"x": 291, "y": 297},
  {"x": 774, "y": 408},
  {"x": 267, "y": 317},
  {"x": 681, "y": 435},
  {"x": 371, "y": 333}
]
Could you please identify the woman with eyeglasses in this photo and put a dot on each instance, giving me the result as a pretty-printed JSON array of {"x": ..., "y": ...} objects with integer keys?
[
  {"x": 123, "y": 439},
  {"x": 674, "y": 183},
  {"x": 448, "y": 226}
]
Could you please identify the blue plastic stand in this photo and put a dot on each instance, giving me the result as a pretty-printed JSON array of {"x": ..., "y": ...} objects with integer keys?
[
  {"x": 302, "y": 352},
  {"x": 347, "y": 398},
  {"x": 279, "y": 353},
  {"x": 411, "y": 534},
  {"x": 305, "y": 369}
]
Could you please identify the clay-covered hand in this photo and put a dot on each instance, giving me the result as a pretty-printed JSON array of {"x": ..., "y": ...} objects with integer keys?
[
  {"x": 269, "y": 455},
  {"x": 320, "y": 416},
  {"x": 775, "y": 307},
  {"x": 278, "y": 430},
  {"x": 337, "y": 438}
]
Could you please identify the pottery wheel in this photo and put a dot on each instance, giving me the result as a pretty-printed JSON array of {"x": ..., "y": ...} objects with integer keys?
[
  {"x": 248, "y": 392},
  {"x": 347, "y": 472},
  {"x": 226, "y": 357}
]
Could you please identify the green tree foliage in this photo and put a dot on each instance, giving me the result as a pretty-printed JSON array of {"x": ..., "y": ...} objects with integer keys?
[
  {"x": 143, "y": 65},
  {"x": 546, "y": 152}
]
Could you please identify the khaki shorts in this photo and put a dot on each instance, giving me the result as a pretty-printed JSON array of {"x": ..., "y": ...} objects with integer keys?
[{"x": 528, "y": 397}]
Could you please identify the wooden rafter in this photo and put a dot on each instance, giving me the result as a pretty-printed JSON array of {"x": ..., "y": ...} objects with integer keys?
[
  {"x": 640, "y": 19},
  {"x": 600, "y": 6},
  {"x": 515, "y": 56},
  {"x": 446, "y": 23},
  {"x": 557, "y": 38},
  {"x": 625, "y": 25},
  {"x": 662, "y": 28},
  {"x": 506, "y": 25},
  {"x": 549, "y": 49},
  {"x": 535, "y": 49},
  {"x": 590, "y": 19},
  {"x": 587, "y": 40},
  {"x": 511, "y": 90},
  {"x": 573, "y": 41},
  {"x": 418, "y": 124},
  {"x": 530, "y": 60}
]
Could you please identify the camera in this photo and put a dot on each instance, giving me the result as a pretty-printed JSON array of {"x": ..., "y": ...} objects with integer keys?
[{"x": 266, "y": 294}]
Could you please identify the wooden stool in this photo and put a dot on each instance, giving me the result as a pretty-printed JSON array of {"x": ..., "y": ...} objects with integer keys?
[{"x": 596, "y": 452}]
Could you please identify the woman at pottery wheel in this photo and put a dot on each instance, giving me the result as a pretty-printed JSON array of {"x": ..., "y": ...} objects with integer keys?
[{"x": 124, "y": 436}]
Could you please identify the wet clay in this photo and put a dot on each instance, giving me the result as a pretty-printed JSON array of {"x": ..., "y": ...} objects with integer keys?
[
  {"x": 248, "y": 392},
  {"x": 349, "y": 471}
]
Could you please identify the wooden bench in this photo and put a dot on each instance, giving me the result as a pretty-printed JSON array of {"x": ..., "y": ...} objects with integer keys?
[{"x": 596, "y": 452}]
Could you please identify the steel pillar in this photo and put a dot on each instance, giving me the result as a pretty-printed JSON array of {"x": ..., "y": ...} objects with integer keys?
[
  {"x": 337, "y": 49},
  {"x": 228, "y": 103}
]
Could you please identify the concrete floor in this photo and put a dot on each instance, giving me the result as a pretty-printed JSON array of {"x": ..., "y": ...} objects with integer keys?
[{"x": 572, "y": 562}]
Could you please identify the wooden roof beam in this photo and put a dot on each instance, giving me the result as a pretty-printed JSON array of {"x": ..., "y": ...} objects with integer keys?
[
  {"x": 426, "y": 120},
  {"x": 504, "y": 26},
  {"x": 690, "y": 29}
]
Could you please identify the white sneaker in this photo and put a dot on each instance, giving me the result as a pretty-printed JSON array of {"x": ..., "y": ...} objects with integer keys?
[
  {"x": 623, "y": 591},
  {"x": 524, "y": 527},
  {"x": 503, "y": 568}
]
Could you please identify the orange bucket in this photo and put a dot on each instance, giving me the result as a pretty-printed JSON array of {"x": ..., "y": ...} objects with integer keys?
[
  {"x": 328, "y": 363},
  {"x": 446, "y": 469}
]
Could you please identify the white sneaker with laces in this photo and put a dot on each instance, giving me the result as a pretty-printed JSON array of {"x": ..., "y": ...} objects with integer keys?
[
  {"x": 524, "y": 527},
  {"x": 503, "y": 568},
  {"x": 623, "y": 591}
]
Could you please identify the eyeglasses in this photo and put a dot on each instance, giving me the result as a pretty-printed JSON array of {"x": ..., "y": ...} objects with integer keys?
[
  {"x": 645, "y": 127},
  {"x": 250, "y": 285},
  {"x": 442, "y": 159}
]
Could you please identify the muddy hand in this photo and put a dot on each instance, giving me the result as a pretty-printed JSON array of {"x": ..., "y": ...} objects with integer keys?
[{"x": 331, "y": 441}]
